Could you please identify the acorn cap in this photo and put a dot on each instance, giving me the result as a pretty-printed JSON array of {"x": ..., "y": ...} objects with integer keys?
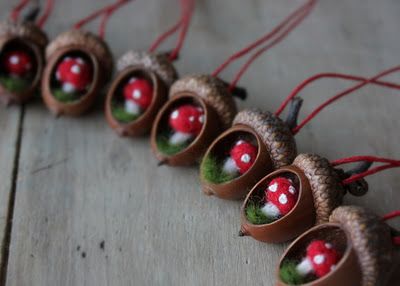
[
  {"x": 157, "y": 63},
  {"x": 274, "y": 132},
  {"x": 26, "y": 30},
  {"x": 213, "y": 91},
  {"x": 371, "y": 240},
  {"x": 89, "y": 40},
  {"x": 325, "y": 184}
]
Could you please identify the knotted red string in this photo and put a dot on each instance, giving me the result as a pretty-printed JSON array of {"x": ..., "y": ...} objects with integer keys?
[
  {"x": 183, "y": 23},
  {"x": 285, "y": 27},
  {"x": 388, "y": 163},
  {"x": 340, "y": 95},
  {"x": 14, "y": 15},
  {"x": 394, "y": 214},
  {"x": 49, "y": 7},
  {"x": 106, "y": 12}
]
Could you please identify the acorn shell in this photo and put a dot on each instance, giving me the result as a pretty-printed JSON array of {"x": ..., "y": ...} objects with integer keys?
[
  {"x": 371, "y": 240},
  {"x": 98, "y": 52},
  {"x": 34, "y": 38},
  {"x": 299, "y": 219},
  {"x": 156, "y": 68},
  {"x": 275, "y": 133},
  {"x": 325, "y": 184},
  {"x": 219, "y": 108}
]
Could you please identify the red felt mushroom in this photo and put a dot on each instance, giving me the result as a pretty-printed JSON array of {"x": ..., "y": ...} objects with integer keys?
[
  {"x": 321, "y": 258},
  {"x": 75, "y": 74},
  {"x": 17, "y": 63},
  {"x": 280, "y": 197},
  {"x": 242, "y": 157},
  {"x": 186, "y": 122},
  {"x": 138, "y": 94}
]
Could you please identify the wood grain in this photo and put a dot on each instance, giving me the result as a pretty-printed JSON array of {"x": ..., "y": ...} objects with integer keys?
[{"x": 93, "y": 209}]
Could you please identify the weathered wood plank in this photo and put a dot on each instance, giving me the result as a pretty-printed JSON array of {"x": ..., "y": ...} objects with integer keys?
[{"x": 79, "y": 185}]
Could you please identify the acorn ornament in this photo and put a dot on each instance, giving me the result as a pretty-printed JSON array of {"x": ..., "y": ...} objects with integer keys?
[
  {"x": 79, "y": 64},
  {"x": 215, "y": 98},
  {"x": 21, "y": 54},
  {"x": 354, "y": 247},
  {"x": 292, "y": 199},
  {"x": 141, "y": 86},
  {"x": 274, "y": 137}
]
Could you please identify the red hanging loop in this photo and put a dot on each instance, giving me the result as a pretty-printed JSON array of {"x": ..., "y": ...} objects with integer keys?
[
  {"x": 107, "y": 11},
  {"x": 187, "y": 7},
  {"x": 14, "y": 15},
  {"x": 388, "y": 164},
  {"x": 49, "y": 7},
  {"x": 394, "y": 214},
  {"x": 342, "y": 94},
  {"x": 285, "y": 27}
]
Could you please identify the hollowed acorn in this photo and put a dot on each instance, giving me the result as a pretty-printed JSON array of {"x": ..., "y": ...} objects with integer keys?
[
  {"x": 21, "y": 61},
  {"x": 217, "y": 107},
  {"x": 362, "y": 240},
  {"x": 138, "y": 92},
  {"x": 79, "y": 64},
  {"x": 275, "y": 148},
  {"x": 320, "y": 190}
]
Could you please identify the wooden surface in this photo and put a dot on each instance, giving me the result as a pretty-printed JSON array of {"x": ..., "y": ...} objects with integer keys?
[{"x": 93, "y": 209}]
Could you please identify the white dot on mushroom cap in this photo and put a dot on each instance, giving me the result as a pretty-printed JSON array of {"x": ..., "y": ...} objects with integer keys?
[
  {"x": 328, "y": 245},
  {"x": 132, "y": 79},
  {"x": 201, "y": 118},
  {"x": 333, "y": 267},
  {"x": 319, "y": 259},
  {"x": 239, "y": 142},
  {"x": 14, "y": 60},
  {"x": 80, "y": 60},
  {"x": 58, "y": 75},
  {"x": 175, "y": 114},
  {"x": 283, "y": 199},
  {"x": 292, "y": 190},
  {"x": 245, "y": 158},
  {"x": 273, "y": 187},
  {"x": 191, "y": 118},
  {"x": 76, "y": 69},
  {"x": 137, "y": 94}
]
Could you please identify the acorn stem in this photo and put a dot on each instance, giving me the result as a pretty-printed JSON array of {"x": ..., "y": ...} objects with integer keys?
[
  {"x": 32, "y": 13},
  {"x": 237, "y": 91},
  {"x": 360, "y": 168},
  {"x": 293, "y": 114}
]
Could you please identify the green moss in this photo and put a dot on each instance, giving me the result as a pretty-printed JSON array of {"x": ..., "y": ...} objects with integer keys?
[
  {"x": 166, "y": 148},
  {"x": 255, "y": 215},
  {"x": 213, "y": 172},
  {"x": 121, "y": 115},
  {"x": 14, "y": 84},
  {"x": 288, "y": 273},
  {"x": 66, "y": 97}
]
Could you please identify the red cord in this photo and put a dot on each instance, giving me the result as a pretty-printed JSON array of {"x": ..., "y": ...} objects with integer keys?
[
  {"x": 298, "y": 14},
  {"x": 14, "y": 15},
  {"x": 316, "y": 77},
  {"x": 46, "y": 13},
  {"x": 340, "y": 95},
  {"x": 164, "y": 36},
  {"x": 389, "y": 163},
  {"x": 396, "y": 239}
]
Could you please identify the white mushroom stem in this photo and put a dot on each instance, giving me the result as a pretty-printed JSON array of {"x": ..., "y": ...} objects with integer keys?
[
  {"x": 131, "y": 107},
  {"x": 305, "y": 267},
  {"x": 68, "y": 87},
  {"x": 179, "y": 138},
  {"x": 230, "y": 166},
  {"x": 270, "y": 210}
]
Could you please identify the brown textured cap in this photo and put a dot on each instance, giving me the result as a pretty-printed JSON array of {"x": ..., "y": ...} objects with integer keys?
[
  {"x": 213, "y": 91},
  {"x": 371, "y": 240},
  {"x": 325, "y": 184},
  {"x": 274, "y": 132},
  {"x": 83, "y": 38},
  {"x": 27, "y": 30},
  {"x": 157, "y": 63}
]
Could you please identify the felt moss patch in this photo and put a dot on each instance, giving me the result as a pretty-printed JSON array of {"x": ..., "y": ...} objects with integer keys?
[
  {"x": 255, "y": 215},
  {"x": 121, "y": 115},
  {"x": 288, "y": 273},
  {"x": 213, "y": 172},
  {"x": 66, "y": 97},
  {"x": 14, "y": 84},
  {"x": 166, "y": 148}
]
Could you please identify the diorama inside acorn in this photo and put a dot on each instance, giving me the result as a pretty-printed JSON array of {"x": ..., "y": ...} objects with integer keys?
[
  {"x": 355, "y": 247},
  {"x": 292, "y": 199},
  {"x": 260, "y": 142},
  {"x": 21, "y": 58}
]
